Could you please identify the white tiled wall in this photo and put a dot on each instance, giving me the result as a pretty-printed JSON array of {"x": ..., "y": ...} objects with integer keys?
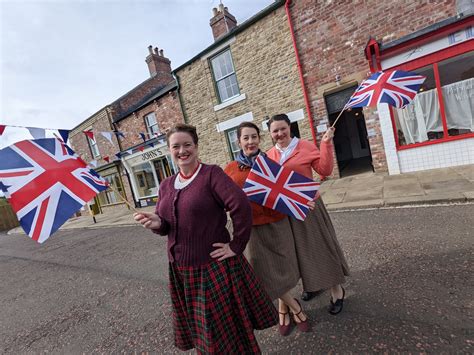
[
  {"x": 434, "y": 156},
  {"x": 388, "y": 139}
]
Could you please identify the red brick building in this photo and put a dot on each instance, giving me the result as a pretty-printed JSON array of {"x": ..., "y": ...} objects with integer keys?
[
  {"x": 331, "y": 39},
  {"x": 138, "y": 157},
  {"x": 143, "y": 115}
]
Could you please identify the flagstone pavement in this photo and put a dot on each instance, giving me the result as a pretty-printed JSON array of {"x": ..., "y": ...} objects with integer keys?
[{"x": 367, "y": 190}]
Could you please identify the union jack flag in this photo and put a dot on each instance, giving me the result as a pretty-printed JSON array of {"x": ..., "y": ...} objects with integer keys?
[
  {"x": 397, "y": 88},
  {"x": 45, "y": 182},
  {"x": 279, "y": 188}
]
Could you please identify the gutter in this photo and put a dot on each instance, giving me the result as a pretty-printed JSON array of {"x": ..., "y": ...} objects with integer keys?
[
  {"x": 180, "y": 98},
  {"x": 300, "y": 71}
]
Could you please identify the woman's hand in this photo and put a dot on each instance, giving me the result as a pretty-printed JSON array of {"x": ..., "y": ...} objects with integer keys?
[
  {"x": 222, "y": 252},
  {"x": 148, "y": 220},
  {"x": 329, "y": 135},
  {"x": 311, "y": 205}
]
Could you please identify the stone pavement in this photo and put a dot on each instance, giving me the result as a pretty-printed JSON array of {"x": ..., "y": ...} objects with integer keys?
[{"x": 368, "y": 190}]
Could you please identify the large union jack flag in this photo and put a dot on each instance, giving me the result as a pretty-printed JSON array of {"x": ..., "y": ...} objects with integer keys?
[
  {"x": 397, "y": 88},
  {"x": 45, "y": 182},
  {"x": 279, "y": 188}
]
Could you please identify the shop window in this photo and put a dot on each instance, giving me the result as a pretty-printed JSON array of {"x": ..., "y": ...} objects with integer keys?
[
  {"x": 457, "y": 84},
  {"x": 144, "y": 180},
  {"x": 109, "y": 196},
  {"x": 152, "y": 125},
  {"x": 233, "y": 142},
  {"x": 420, "y": 121},
  {"x": 224, "y": 76}
]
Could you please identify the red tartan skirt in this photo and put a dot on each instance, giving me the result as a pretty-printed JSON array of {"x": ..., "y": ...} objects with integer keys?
[{"x": 217, "y": 306}]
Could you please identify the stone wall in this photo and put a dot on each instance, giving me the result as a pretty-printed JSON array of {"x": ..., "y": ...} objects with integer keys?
[{"x": 267, "y": 74}]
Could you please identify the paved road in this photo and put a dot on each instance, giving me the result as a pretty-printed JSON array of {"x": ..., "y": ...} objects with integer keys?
[{"x": 105, "y": 290}]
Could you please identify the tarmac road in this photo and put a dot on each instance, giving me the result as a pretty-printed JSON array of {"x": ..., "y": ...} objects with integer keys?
[{"x": 105, "y": 290}]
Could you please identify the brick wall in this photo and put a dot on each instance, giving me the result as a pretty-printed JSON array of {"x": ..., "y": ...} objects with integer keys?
[
  {"x": 331, "y": 36},
  {"x": 167, "y": 111},
  {"x": 267, "y": 74}
]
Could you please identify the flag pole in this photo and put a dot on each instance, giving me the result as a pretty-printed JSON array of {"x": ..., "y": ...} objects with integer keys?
[{"x": 338, "y": 116}]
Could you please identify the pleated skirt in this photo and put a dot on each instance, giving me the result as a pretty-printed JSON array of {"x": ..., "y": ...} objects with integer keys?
[
  {"x": 321, "y": 261},
  {"x": 271, "y": 253},
  {"x": 217, "y": 306}
]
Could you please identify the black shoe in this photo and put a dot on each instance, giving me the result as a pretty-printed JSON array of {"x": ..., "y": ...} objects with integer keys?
[
  {"x": 336, "y": 307},
  {"x": 306, "y": 296}
]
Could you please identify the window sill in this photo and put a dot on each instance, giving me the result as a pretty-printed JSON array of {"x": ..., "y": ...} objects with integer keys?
[
  {"x": 230, "y": 102},
  {"x": 437, "y": 141}
]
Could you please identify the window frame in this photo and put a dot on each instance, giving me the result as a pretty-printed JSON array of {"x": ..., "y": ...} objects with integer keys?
[
  {"x": 432, "y": 59},
  {"x": 148, "y": 126},
  {"x": 93, "y": 145},
  {"x": 215, "y": 81},
  {"x": 115, "y": 176},
  {"x": 229, "y": 144}
]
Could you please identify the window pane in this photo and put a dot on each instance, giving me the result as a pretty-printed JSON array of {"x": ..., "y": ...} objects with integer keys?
[
  {"x": 228, "y": 87},
  {"x": 144, "y": 180},
  {"x": 457, "y": 84},
  {"x": 233, "y": 142},
  {"x": 222, "y": 90},
  {"x": 94, "y": 147},
  {"x": 420, "y": 121}
]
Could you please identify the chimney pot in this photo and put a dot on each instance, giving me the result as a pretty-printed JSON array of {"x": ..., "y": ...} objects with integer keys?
[
  {"x": 221, "y": 7},
  {"x": 214, "y": 11},
  {"x": 156, "y": 50},
  {"x": 150, "y": 49},
  {"x": 161, "y": 53}
]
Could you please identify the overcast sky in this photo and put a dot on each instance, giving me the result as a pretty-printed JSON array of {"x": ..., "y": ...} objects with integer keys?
[{"x": 63, "y": 60}]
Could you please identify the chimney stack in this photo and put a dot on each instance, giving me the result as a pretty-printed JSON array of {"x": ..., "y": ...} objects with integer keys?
[
  {"x": 158, "y": 64},
  {"x": 222, "y": 21}
]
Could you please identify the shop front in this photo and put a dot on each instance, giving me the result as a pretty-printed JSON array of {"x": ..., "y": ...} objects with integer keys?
[
  {"x": 437, "y": 129},
  {"x": 147, "y": 169}
]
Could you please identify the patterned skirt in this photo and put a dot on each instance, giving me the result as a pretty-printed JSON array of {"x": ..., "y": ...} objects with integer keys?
[
  {"x": 320, "y": 258},
  {"x": 217, "y": 306}
]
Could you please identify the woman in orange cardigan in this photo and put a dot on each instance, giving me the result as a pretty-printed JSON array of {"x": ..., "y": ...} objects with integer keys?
[
  {"x": 270, "y": 250},
  {"x": 320, "y": 259}
]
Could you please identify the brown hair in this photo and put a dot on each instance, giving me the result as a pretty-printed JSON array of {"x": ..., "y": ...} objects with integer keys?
[
  {"x": 246, "y": 124},
  {"x": 278, "y": 117},
  {"x": 185, "y": 128}
]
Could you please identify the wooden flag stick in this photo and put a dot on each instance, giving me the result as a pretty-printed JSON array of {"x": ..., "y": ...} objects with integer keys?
[
  {"x": 338, "y": 116},
  {"x": 123, "y": 198}
]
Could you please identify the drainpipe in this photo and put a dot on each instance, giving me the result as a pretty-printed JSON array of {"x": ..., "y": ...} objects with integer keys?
[
  {"x": 300, "y": 70},
  {"x": 180, "y": 99}
]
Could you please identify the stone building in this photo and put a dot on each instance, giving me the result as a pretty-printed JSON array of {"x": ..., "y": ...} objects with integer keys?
[{"x": 247, "y": 74}]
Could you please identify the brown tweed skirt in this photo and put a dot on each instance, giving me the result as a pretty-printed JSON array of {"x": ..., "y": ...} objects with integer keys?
[
  {"x": 272, "y": 255},
  {"x": 321, "y": 261}
]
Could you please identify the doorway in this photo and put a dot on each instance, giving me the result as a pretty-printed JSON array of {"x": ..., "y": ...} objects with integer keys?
[{"x": 350, "y": 139}]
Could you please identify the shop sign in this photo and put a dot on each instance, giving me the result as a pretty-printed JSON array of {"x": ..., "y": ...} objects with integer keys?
[{"x": 146, "y": 156}]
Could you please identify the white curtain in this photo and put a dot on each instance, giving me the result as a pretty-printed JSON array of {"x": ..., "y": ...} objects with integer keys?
[
  {"x": 422, "y": 115},
  {"x": 459, "y": 104}
]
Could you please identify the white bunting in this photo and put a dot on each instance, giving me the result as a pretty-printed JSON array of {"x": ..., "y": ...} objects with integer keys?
[
  {"x": 37, "y": 133},
  {"x": 93, "y": 163},
  {"x": 108, "y": 136}
]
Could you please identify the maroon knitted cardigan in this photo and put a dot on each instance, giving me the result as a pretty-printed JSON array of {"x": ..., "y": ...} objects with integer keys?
[{"x": 195, "y": 217}]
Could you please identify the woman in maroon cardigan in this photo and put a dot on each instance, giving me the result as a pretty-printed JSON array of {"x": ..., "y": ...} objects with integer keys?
[{"x": 217, "y": 300}]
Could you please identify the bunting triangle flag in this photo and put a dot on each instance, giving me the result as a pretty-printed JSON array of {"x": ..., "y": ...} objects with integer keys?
[
  {"x": 141, "y": 149},
  {"x": 107, "y": 159},
  {"x": 37, "y": 133},
  {"x": 89, "y": 134},
  {"x": 2, "y": 129},
  {"x": 64, "y": 133},
  {"x": 119, "y": 134},
  {"x": 118, "y": 156},
  {"x": 130, "y": 151},
  {"x": 93, "y": 163},
  {"x": 143, "y": 136},
  {"x": 108, "y": 136}
]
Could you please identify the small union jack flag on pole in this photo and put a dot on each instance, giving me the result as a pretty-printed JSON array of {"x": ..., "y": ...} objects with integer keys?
[
  {"x": 397, "y": 88},
  {"x": 279, "y": 188},
  {"x": 45, "y": 182}
]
